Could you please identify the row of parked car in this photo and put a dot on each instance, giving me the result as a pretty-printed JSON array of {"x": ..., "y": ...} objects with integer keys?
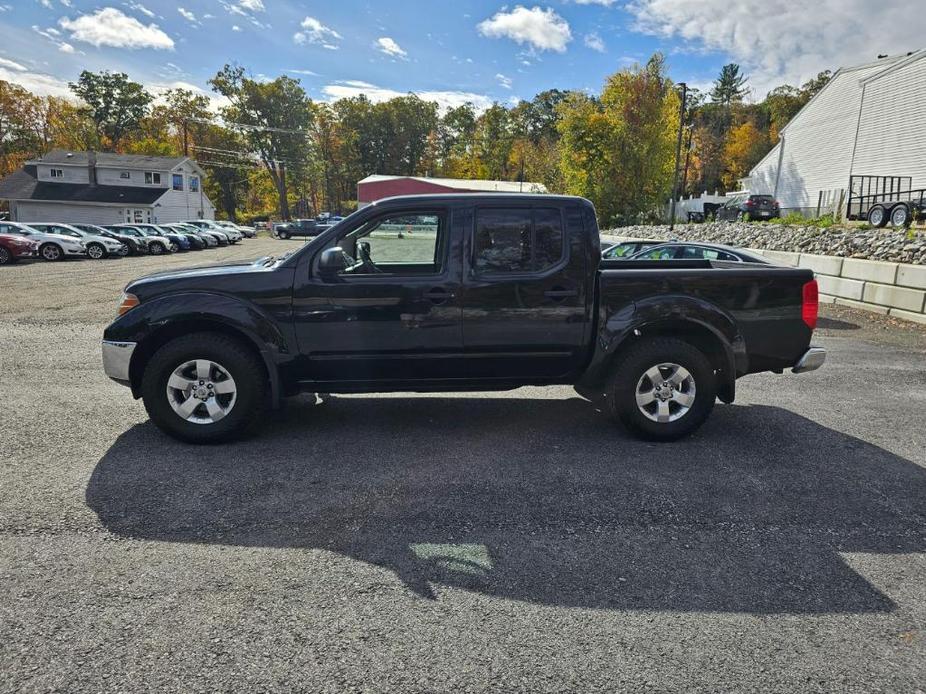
[
  {"x": 648, "y": 249},
  {"x": 56, "y": 241}
]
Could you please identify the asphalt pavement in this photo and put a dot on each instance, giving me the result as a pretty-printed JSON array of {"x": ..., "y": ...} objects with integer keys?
[{"x": 514, "y": 542}]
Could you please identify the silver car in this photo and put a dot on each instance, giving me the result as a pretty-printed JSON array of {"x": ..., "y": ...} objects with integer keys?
[
  {"x": 98, "y": 247},
  {"x": 51, "y": 246},
  {"x": 233, "y": 235},
  {"x": 248, "y": 232}
]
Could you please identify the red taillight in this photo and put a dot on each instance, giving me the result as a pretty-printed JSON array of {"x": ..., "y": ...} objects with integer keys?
[
  {"x": 810, "y": 306},
  {"x": 750, "y": 203}
]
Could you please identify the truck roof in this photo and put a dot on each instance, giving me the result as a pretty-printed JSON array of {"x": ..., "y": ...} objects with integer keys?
[{"x": 515, "y": 198}]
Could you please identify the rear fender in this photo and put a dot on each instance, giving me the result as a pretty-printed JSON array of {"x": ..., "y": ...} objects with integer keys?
[{"x": 704, "y": 324}]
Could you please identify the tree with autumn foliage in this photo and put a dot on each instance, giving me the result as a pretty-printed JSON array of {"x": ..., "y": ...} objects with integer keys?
[{"x": 619, "y": 150}]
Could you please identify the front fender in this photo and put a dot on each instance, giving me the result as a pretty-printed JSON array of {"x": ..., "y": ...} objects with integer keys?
[{"x": 199, "y": 310}]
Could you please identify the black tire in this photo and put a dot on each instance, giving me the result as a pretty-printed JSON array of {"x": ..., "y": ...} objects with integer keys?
[
  {"x": 96, "y": 251},
  {"x": 157, "y": 248},
  {"x": 244, "y": 367},
  {"x": 877, "y": 216},
  {"x": 51, "y": 252},
  {"x": 6, "y": 258},
  {"x": 283, "y": 235},
  {"x": 900, "y": 216},
  {"x": 629, "y": 372},
  {"x": 174, "y": 247}
]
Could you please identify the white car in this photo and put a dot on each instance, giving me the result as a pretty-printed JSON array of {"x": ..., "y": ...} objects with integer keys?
[
  {"x": 98, "y": 247},
  {"x": 157, "y": 245},
  {"x": 249, "y": 232},
  {"x": 51, "y": 246}
]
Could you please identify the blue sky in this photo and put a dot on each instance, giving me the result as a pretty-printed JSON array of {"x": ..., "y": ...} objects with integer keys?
[{"x": 478, "y": 50}]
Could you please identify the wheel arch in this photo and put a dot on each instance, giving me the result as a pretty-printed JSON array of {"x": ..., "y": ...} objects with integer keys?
[{"x": 702, "y": 325}]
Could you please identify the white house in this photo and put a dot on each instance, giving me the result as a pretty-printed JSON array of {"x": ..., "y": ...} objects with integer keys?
[
  {"x": 869, "y": 120},
  {"x": 106, "y": 188}
]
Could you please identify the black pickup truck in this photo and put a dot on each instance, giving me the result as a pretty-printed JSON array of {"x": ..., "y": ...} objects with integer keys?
[
  {"x": 454, "y": 293},
  {"x": 299, "y": 227}
]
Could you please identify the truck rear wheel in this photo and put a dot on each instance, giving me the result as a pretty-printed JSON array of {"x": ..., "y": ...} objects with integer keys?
[
  {"x": 204, "y": 388},
  {"x": 662, "y": 389}
]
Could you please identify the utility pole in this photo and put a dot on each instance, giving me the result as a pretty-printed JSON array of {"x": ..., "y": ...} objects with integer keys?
[
  {"x": 186, "y": 147},
  {"x": 678, "y": 154}
]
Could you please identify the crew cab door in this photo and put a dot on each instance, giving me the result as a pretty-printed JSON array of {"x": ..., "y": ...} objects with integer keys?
[
  {"x": 526, "y": 294},
  {"x": 393, "y": 314}
]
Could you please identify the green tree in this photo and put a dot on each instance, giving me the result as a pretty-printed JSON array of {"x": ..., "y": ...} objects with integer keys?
[
  {"x": 116, "y": 104},
  {"x": 730, "y": 86},
  {"x": 273, "y": 118}
]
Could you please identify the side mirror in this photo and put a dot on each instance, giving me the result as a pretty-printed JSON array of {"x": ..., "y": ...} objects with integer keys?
[{"x": 332, "y": 261}]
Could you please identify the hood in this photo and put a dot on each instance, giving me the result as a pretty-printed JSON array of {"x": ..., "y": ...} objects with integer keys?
[{"x": 204, "y": 277}]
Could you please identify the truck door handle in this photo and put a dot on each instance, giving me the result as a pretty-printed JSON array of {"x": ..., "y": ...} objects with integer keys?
[
  {"x": 559, "y": 293},
  {"x": 438, "y": 295}
]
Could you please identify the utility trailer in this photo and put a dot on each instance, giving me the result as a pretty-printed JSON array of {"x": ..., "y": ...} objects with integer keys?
[{"x": 883, "y": 199}]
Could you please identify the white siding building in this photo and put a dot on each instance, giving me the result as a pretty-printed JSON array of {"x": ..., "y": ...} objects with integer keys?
[
  {"x": 105, "y": 188},
  {"x": 868, "y": 120}
]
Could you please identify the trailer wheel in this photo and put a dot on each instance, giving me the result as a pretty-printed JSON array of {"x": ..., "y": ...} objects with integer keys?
[
  {"x": 900, "y": 216},
  {"x": 877, "y": 216}
]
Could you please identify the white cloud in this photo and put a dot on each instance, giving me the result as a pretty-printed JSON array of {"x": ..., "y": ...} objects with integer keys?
[
  {"x": 503, "y": 81},
  {"x": 235, "y": 27},
  {"x": 110, "y": 27},
  {"x": 542, "y": 29},
  {"x": 12, "y": 65},
  {"x": 52, "y": 35},
  {"x": 606, "y": 3},
  {"x": 595, "y": 42},
  {"x": 138, "y": 7},
  {"x": 303, "y": 72},
  {"x": 65, "y": 47},
  {"x": 187, "y": 15},
  {"x": 36, "y": 82},
  {"x": 46, "y": 3},
  {"x": 444, "y": 99},
  {"x": 778, "y": 42},
  {"x": 388, "y": 46},
  {"x": 252, "y": 5},
  {"x": 313, "y": 31}
]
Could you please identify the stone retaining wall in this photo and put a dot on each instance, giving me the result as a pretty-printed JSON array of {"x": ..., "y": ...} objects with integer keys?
[{"x": 895, "y": 289}]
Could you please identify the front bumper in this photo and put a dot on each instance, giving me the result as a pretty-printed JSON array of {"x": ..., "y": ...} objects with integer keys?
[
  {"x": 812, "y": 360},
  {"x": 116, "y": 359},
  {"x": 74, "y": 251}
]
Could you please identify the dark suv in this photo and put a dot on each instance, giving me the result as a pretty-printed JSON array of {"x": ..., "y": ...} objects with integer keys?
[{"x": 748, "y": 208}]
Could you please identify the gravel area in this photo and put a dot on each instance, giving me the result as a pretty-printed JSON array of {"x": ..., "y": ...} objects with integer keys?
[
  {"x": 894, "y": 245},
  {"x": 455, "y": 542}
]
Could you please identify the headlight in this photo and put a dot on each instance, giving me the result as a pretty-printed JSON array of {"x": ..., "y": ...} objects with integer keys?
[{"x": 127, "y": 303}]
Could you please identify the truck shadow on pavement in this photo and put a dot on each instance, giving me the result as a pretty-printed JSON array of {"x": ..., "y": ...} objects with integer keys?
[{"x": 539, "y": 500}]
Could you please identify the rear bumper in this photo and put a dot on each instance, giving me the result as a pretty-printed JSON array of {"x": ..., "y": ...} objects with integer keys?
[
  {"x": 812, "y": 360},
  {"x": 116, "y": 359}
]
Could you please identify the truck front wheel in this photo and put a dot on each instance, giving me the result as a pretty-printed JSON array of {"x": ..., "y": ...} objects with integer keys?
[
  {"x": 662, "y": 389},
  {"x": 204, "y": 388}
]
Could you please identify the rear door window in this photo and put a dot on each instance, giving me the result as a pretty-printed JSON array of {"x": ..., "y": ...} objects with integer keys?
[{"x": 512, "y": 241}]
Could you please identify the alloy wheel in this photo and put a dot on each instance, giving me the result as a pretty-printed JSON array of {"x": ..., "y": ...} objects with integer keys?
[
  {"x": 201, "y": 391},
  {"x": 95, "y": 251},
  {"x": 4, "y": 256},
  {"x": 51, "y": 252},
  {"x": 665, "y": 392}
]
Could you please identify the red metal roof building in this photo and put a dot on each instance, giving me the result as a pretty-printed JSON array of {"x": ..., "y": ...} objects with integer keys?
[{"x": 377, "y": 187}]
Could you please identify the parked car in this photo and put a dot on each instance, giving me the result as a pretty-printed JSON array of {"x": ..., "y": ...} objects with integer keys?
[
  {"x": 157, "y": 244},
  {"x": 625, "y": 249},
  {"x": 198, "y": 241},
  {"x": 248, "y": 232},
  {"x": 681, "y": 250},
  {"x": 134, "y": 246},
  {"x": 233, "y": 235},
  {"x": 509, "y": 290},
  {"x": 98, "y": 247},
  {"x": 298, "y": 227},
  {"x": 178, "y": 242},
  {"x": 748, "y": 208},
  {"x": 51, "y": 246},
  {"x": 14, "y": 247}
]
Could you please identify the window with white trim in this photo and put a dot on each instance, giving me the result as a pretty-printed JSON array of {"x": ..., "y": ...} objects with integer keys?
[
  {"x": 194, "y": 184},
  {"x": 152, "y": 178},
  {"x": 57, "y": 173},
  {"x": 177, "y": 182}
]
